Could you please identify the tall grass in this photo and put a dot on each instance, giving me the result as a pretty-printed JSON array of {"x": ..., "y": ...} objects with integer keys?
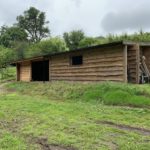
[
  {"x": 8, "y": 73},
  {"x": 107, "y": 93}
]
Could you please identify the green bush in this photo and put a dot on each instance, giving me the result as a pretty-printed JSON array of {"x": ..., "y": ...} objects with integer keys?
[
  {"x": 8, "y": 73},
  {"x": 45, "y": 47},
  {"x": 116, "y": 97}
]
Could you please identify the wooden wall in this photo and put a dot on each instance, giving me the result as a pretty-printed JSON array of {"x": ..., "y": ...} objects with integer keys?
[
  {"x": 133, "y": 63},
  {"x": 101, "y": 64},
  {"x": 25, "y": 71},
  {"x": 105, "y": 64}
]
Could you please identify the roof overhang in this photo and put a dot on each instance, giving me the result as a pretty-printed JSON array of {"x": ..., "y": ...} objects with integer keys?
[
  {"x": 133, "y": 43},
  {"x": 36, "y": 58}
]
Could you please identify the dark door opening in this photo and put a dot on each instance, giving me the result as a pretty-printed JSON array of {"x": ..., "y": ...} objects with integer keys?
[
  {"x": 40, "y": 71},
  {"x": 18, "y": 72}
]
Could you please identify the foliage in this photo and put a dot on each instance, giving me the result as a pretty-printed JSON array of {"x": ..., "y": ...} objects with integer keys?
[
  {"x": 91, "y": 41},
  {"x": 9, "y": 35},
  {"x": 48, "y": 46},
  {"x": 33, "y": 21},
  {"x": 26, "y": 37},
  {"x": 20, "y": 48},
  {"x": 6, "y": 56},
  {"x": 136, "y": 37},
  {"x": 8, "y": 73},
  {"x": 73, "y": 38},
  {"x": 88, "y": 41}
]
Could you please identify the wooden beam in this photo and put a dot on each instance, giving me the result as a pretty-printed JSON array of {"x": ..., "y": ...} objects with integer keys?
[
  {"x": 125, "y": 56},
  {"x": 137, "y": 63},
  {"x": 130, "y": 43}
]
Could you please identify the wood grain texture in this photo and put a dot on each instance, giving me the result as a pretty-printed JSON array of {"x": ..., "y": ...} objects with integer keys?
[
  {"x": 25, "y": 71},
  {"x": 105, "y": 64},
  {"x": 137, "y": 63},
  {"x": 125, "y": 58},
  {"x": 131, "y": 53}
]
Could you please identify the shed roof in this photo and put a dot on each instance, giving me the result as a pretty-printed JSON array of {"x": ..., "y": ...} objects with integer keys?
[{"x": 85, "y": 48}]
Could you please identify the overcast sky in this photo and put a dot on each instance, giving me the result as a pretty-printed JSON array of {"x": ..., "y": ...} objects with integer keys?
[{"x": 95, "y": 17}]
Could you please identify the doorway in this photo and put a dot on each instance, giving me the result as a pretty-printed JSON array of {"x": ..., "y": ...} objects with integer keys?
[{"x": 40, "y": 70}]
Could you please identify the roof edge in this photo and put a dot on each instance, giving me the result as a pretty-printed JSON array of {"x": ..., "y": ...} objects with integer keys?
[
  {"x": 84, "y": 48},
  {"x": 65, "y": 52},
  {"x": 133, "y": 43}
]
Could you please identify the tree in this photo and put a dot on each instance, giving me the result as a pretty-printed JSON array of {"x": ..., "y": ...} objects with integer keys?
[
  {"x": 33, "y": 21},
  {"x": 9, "y": 35},
  {"x": 73, "y": 38},
  {"x": 89, "y": 41},
  {"x": 45, "y": 47},
  {"x": 20, "y": 48},
  {"x": 6, "y": 56}
]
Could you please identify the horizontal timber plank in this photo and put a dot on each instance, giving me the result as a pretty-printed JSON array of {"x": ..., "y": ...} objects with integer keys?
[
  {"x": 86, "y": 71},
  {"x": 90, "y": 56},
  {"x": 90, "y": 61},
  {"x": 89, "y": 74},
  {"x": 86, "y": 67},
  {"x": 88, "y": 79}
]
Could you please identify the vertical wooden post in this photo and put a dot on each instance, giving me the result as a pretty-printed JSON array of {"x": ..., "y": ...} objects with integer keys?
[
  {"x": 137, "y": 63},
  {"x": 125, "y": 55}
]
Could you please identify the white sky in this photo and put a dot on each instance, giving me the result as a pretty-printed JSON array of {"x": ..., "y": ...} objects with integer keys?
[{"x": 95, "y": 17}]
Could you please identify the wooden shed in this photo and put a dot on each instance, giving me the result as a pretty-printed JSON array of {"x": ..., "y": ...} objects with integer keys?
[{"x": 117, "y": 61}]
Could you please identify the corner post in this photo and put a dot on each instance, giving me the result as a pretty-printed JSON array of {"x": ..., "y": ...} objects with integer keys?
[
  {"x": 137, "y": 63},
  {"x": 125, "y": 55}
]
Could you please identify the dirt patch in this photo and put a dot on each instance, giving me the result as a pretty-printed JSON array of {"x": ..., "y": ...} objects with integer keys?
[
  {"x": 111, "y": 145},
  {"x": 10, "y": 90},
  {"x": 43, "y": 142},
  {"x": 125, "y": 127},
  {"x": 4, "y": 90},
  {"x": 12, "y": 126}
]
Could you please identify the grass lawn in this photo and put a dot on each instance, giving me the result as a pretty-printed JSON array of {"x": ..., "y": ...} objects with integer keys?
[{"x": 75, "y": 116}]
